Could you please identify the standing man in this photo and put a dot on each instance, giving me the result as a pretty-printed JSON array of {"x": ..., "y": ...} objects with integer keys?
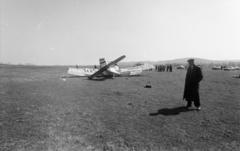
[
  {"x": 191, "y": 89},
  {"x": 170, "y": 68}
]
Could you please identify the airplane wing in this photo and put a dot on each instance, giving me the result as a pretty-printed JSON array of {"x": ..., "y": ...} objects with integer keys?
[
  {"x": 82, "y": 72},
  {"x": 104, "y": 68}
]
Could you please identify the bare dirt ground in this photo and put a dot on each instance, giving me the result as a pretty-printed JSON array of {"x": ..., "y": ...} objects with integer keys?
[{"x": 39, "y": 111}]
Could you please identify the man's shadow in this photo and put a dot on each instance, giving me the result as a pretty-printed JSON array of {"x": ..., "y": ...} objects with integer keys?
[{"x": 171, "y": 111}]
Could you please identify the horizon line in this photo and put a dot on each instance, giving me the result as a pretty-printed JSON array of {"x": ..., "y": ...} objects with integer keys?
[{"x": 168, "y": 60}]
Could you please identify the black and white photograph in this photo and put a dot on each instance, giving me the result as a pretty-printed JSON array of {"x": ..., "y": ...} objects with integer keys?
[{"x": 119, "y": 75}]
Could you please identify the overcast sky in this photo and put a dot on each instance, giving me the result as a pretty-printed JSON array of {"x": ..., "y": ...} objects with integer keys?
[{"x": 82, "y": 31}]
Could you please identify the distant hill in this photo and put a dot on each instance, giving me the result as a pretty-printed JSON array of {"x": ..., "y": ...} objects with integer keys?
[
  {"x": 132, "y": 63},
  {"x": 184, "y": 61},
  {"x": 201, "y": 61}
]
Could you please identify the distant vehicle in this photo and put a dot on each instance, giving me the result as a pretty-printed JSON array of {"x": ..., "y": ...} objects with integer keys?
[
  {"x": 236, "y": 76},
  {"x": 217, "y": 68},
  {"x": 236, "y": 68},
  {"x": 108, "y": 70},
  {"x": 180, "y": 67},
  {"x": 231, "y": 68}
]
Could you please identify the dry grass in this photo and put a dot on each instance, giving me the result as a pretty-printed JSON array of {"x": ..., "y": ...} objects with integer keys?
[{"x": 41, "y": 112}]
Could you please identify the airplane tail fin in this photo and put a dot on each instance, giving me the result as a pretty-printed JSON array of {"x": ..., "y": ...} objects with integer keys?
[{"x": 102, "y": 62}]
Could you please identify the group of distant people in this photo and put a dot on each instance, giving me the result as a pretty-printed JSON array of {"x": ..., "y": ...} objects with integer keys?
[{"x": 163, "y": 68}]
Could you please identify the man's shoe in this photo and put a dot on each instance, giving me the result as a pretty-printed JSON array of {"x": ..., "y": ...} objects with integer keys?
[{"x": 199, "y": 108}]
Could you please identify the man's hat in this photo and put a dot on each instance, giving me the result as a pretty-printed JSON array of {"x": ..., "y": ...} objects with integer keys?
[{"x": 190, "y": 60}]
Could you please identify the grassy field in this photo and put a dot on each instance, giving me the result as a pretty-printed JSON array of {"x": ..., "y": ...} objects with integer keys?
[{"x": 40, "y": 111}]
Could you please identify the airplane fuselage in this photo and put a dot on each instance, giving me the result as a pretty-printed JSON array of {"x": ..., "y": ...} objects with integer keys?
[{"x": 111, "y": 71}]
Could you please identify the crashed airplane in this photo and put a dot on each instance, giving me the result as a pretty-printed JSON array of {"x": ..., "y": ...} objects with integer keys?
[{"x": 109, "y": 70}]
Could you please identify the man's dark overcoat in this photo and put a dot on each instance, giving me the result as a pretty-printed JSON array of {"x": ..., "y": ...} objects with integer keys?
[{"x": 191, "y": 89}]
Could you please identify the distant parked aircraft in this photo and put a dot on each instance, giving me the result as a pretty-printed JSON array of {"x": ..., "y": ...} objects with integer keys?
[
  {"x": 108, "y": 70},
  {"x": 226, "y": 68},
  {"x": 231, "y": 68},
  {"x": 180, "y": 67}
]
